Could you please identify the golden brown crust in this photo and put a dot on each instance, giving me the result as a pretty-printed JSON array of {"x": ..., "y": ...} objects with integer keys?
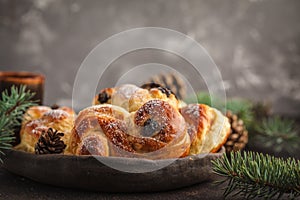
[
  {"x": 104, "y": 96},
  {"x": 171, "y": 98},
  {"x": 198, "y": 121},
  {"x": 138, "y": 102},
  {"x": 116, "y": 132},
  {"x": 94, "y": 144},
  {"x": 105, "y": 121},
  {"x": 163, "y": 128},
  {"x": 127, "y": 139},
  {"x": 158, "y": 119},
  {"x": 131, "y": 97},
  {"x": 137, "y": 99},
  {"x": 207, "y": 127},
  {"x": 220, "y": 129},
  {"x": 34, "y": 112},
  {"x": 141, "y": 96},
  {"x": 40, "y": 118}
]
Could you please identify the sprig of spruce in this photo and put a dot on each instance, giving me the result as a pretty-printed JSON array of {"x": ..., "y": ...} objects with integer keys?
[
  {"x": 253, "y": 175},
  {"x": 278, "y": 133},
  {"x": 242, "y": 108},
  {"x": 12, "y": 106}
]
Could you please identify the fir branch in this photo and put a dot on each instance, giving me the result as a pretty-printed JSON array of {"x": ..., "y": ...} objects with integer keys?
[
  {"x": 279, "y": 133},
  {"x": 242, "y": 108},
  {"x": 13, "y": 104},
  {"x": 253, "y": 175}
]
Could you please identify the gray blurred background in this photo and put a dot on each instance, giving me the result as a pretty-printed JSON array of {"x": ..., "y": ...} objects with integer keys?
[{"x": 255, "y": 43}]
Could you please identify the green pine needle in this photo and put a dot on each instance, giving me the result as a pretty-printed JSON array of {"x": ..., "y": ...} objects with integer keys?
[
  {"x": 242, "y": 108},
  {"x": 278, "y": 133},
  {"x": 12, "y": 106},
  {"x": 253, "y": 175}
]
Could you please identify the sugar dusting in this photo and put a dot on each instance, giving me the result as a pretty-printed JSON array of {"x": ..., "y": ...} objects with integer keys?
[
  {"x": 123, "y": 94},
  {"x": 192, "y": 110},
  {"x": 56, "y": 114}
]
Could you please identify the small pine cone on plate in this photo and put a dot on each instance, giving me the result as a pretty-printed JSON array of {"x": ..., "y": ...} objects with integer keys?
[
  {"x": 50, "y": 143},
  {"x": 238, "y": 137}
]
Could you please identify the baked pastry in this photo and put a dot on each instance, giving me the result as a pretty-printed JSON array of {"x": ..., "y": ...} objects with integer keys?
[
  {"x": 104, "y": 96},
  {"x": 160, "y": 121},
  {"x": 40, "y": 118},
  {"x": 156, "y": 130},
  {"x": 94, "y": 126},
  {"x": 152, "y": 86},
  {"x": 33, "y": 113},
  {"x": 208, "y": 128},
  {"x": 131, "y": 97}
]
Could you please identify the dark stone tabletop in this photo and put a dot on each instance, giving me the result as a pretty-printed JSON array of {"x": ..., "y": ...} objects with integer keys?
[{"x": 16, "y": 187}]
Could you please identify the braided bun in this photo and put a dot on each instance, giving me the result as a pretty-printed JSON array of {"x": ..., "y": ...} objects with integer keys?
[
  {"x": 40, "y": 118},
  {"x": 101, "y": 123},
  {"x": 156, "y": 130}
]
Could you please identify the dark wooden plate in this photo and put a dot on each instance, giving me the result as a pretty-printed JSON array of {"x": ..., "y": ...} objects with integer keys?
[{"x": 86, "y": 172}]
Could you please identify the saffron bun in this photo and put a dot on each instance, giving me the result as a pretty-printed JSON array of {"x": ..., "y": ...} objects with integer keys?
[
  {"x": 34, "y": 112},
  {"x": 152, "y": 115},
  {"x": 94, "y": 126},
  {"x": 40, "y": 118},
  {"x": 131, "y": 98},
  {"x": 156, "y": 130},
  {"x": 208, "y": 128},
  {"x": 160, "y": 121}
]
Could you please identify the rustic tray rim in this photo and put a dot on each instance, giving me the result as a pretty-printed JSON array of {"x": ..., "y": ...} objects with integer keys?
[{"x": 86, "y": 172}]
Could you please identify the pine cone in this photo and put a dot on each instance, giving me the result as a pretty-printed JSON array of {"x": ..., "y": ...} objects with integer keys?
[
  {"x": 55, "y": 106},
  {"x": 163, "y": 89},
  {"x": 174, "y": 82},
  {"x": 238, "y": 137},
  {"x": 50, "y": 143}
]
